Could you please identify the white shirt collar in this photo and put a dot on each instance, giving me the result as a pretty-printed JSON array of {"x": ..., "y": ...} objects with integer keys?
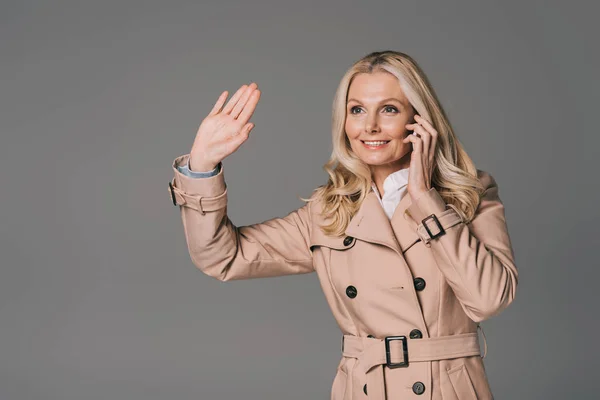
[
  {"x": 392, "y": 183},
  {"x": 394, "y": 187}
]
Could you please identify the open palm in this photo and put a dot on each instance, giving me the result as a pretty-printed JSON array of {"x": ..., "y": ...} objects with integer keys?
[{"x": 224, "y": 129}]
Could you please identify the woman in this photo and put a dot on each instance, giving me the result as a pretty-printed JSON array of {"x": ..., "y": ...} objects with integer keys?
[{"x": 408, "y": 238}]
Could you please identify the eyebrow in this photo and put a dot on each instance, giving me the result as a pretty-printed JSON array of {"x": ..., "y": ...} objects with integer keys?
[{"x": 382, "y": 101}]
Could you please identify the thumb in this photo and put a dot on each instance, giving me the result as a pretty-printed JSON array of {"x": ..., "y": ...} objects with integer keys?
[
  {"x": 243, "y": 135},
  {"x": 247, "y": 128}
]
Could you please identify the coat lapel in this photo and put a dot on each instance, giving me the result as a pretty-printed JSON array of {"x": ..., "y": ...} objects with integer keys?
[
  {"x": 403, "y": 226},
  {"x": 371, "y": 224}
]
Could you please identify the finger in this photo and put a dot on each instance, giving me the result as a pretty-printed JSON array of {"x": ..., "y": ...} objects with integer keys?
[
  {"x": 243, "y": 100},
  {"x": 425, "y": 137},
  {"x": 426, "y": 124},
  {"x": 434, "y": 140},
  {"x": 419, "y": 132},
  {"x": 434, "y": 136},
  {"x": 416, "y": 159},
  {"x": 248, "y": 128},
  {"x": 237, "y": 140},
  {"x": 234, "y": 99},
  {"x": 219, "y": 103},
  {"x": 432, "y": 132},
  {"x": 250, "y": 107},
  {"x": 416, "y": 141},
  {"x": 412, "y": 127}
]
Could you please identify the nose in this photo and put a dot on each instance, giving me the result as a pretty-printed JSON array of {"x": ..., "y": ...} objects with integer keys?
[{"x": 371, "y": 124}]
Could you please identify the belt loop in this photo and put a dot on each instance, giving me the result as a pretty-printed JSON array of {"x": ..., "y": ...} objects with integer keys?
[{"x": 484, "y": 341}]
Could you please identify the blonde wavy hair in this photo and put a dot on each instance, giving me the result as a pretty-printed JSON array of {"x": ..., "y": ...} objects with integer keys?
[{"x": 454, "y": 173}]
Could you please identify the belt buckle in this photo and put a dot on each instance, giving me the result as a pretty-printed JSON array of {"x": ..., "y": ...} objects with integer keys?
[
  {"x": 437, "y": 222},
  {"x": 390, "y": 364}
]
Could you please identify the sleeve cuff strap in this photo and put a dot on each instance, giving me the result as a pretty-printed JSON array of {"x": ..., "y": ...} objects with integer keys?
[{"x": 431, "y": 203}]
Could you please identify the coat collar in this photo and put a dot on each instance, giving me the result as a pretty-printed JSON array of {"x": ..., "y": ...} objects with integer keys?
[{"x": 371, "y": 224}]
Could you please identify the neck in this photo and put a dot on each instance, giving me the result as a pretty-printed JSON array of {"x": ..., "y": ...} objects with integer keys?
[{"x": 380, "y": 172}]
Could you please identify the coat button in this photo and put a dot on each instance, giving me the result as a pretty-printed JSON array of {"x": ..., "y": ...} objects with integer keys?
[
  {"x": 419, "y": 284},
  {"x": 365, "y": 388},
  {"x": 351, "y": 291},
  {"x": 416, "y": 334},
  {"x": 418, "y": 387},
  {"x": 348, "y": 240}
]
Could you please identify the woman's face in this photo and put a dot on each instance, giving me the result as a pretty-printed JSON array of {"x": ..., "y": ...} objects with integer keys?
[{"x": 377, "y": 110}]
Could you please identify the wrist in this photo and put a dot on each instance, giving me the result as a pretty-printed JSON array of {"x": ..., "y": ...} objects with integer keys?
[
  {"x": 200, "y": 165},
  {"x": 415, "y": 196}
]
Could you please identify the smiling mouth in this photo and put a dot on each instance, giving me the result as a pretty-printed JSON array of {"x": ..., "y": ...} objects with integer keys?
[{"x": 378, "y": 144}]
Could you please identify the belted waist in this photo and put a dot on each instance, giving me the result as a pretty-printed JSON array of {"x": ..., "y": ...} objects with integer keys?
[{"x": 398, "y": 352}]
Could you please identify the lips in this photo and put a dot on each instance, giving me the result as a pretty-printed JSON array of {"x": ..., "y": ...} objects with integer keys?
[{"x": 375, "y": 146}]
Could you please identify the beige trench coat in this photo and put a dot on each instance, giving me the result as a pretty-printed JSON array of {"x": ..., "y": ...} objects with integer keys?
[{"x": 408, "y": 301}]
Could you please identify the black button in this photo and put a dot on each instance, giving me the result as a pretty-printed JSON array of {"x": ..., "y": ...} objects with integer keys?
[
  {"x": 365, "y": 388},
  {"x": 371, "y": 336},
  {"x": 351, "y": 291},
  {"x": 418, "y": 387},
  {"x": 416, "y": 334},
  {"x": 348, "y": 240},
  {"x": 419, "y": 284}
]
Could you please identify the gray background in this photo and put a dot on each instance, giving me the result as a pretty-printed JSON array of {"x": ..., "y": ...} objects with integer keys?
[{"x": 98, "y": 296}]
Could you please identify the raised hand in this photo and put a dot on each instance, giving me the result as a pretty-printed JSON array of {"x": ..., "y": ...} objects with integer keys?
[
  {"x": 424, "y": 140},
  {"x": 224, "y": 129}
]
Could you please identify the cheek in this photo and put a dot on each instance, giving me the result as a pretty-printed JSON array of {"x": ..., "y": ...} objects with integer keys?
[
  {"x": 352, "y": 130},
  {"x": 397, "y": 128}
]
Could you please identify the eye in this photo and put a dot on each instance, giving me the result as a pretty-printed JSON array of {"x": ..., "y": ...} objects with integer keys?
[{"x": 388, "y": 107}]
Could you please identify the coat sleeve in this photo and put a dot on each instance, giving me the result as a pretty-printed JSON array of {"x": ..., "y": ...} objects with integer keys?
[
  {"x": 222, "y": 250},
  {"x": 476, "y": 259}
]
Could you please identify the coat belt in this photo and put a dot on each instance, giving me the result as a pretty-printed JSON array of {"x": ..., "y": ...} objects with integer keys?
[{"x": 372, "y": 356}]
